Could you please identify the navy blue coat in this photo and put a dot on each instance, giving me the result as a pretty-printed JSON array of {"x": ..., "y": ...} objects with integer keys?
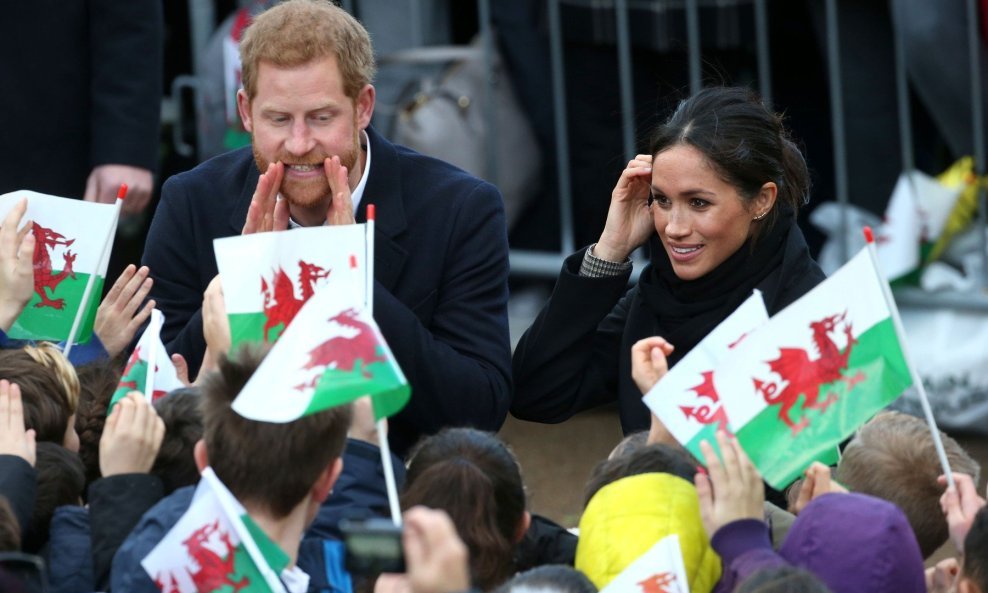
[
  {"x": 358, "y": 493},
  {"x": 440, "y": 265}
]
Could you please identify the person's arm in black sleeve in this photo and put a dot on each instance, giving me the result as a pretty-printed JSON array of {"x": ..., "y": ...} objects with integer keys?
[
  {"x": 459, "y": 366},
  {"x": 126, "y": 43},
  {"x": 126, "y": 56},
  {"x": 171, "y": 253},
  {"x": 566, "y": 362}
]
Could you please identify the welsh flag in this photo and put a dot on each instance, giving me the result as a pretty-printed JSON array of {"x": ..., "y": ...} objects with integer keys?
[
  {"x": 804, "y": 381},
  {"x": 215, "y": 546},
  {"x": 150, "y": 351},
  {"x": 916, "y": 212},
  {"x": 332, "y": 354},
  {"x": 685, "y": 399},
  {"x": 72, "y": 242},
  {"x": 659, "y": 570},
  {"x": 267, "y": 277}
]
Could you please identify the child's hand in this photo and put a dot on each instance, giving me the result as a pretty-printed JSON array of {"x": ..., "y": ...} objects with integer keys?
[
  {"x": 215, "y": 325},
  {"x": 16, "y": 266},
  {"x": 732, "y": 490},
  {"x": 817, "y": 483},
  {"x": 120, "y": 314},
  {"x": 181, "y": 369},
  {"x": 14, "y": 439},
  {"x": 436, "y": 558},
  {"x": 940, "y": 578},
  {"x": 131, "y": 437},
  {"x": 364, "y": 427},
  {"x": 648, "y": 362},
  {"x": 959, "y": 506}
]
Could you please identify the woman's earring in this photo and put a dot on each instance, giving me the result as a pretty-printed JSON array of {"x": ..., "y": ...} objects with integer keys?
[{"x": 760, "y": 216}]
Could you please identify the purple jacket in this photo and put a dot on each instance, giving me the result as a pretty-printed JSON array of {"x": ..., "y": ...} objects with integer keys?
[{"x": 854, "y": 543}]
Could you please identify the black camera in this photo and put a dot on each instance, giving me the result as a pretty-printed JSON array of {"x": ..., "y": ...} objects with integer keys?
[{"x": 372, "y": 546}]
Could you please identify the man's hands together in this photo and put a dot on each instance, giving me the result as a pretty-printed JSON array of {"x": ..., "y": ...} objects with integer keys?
[{"x": 267, "y": 212}]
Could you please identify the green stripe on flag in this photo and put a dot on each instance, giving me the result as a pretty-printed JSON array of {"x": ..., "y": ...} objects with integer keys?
[
  {"x": 707, "y": 433},
  {"x": 276, "y": 558},
  {"x": 134, "y": 380},
  {"x": 49, "y": 323},
  {"x": 781, "y": 457},
  {"x": 249, "y": 327},
  {"x": 379, "y": 380}
]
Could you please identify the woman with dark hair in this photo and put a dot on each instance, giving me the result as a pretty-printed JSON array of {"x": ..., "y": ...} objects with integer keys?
[
  {"x": 475, "y": 478},
  {"x": 716, "y": 202}
]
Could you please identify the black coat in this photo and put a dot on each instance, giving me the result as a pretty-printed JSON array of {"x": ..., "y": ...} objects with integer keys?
[
  {"x": 440, "y": 269},
  {"x": 577, "y": 354},
  {"x": 80, "y": 86}
]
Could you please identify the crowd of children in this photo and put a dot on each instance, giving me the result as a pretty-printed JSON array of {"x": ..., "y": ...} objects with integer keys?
[{"x": 91, "y": 493}]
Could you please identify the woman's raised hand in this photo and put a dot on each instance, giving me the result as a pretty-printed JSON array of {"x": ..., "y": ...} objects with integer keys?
[{"x": 629, "y": 223}]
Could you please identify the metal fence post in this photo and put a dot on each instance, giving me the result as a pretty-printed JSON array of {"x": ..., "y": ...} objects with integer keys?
[{"x": 837, "y": 122}]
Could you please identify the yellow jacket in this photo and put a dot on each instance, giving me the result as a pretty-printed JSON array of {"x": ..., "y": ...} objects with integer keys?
[{"x": 627, "y": 517}]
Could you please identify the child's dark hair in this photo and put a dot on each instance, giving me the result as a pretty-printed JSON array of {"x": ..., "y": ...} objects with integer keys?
[
  {"x": 97, "y": 382},
  {"x": 175, "y": 464},
  {"x": 269, "y": 464},
  {"x": 473, "y": 476},
  {"x": 61, "y": 479},
  {"x": 661, "y": 458},
  {"x": 47, "y": 391}
]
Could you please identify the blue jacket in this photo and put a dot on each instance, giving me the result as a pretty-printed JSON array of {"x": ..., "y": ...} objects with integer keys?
[
  {"x": 69, "y": 552},
  {"x": 359, "y": 488},
  {"x": 440, "y": 269},
  {"x": 80, "y": 354}
]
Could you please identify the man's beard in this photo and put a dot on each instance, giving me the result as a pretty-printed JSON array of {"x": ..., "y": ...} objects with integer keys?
[{"x": 309, "y": 192}]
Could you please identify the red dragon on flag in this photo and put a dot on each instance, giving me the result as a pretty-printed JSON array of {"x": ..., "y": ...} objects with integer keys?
[
  {"x": 806, "y": 376},
  {"x": 280, "y": 303},
  {"x": 214, "y": 571},
  {"x": 659, "y": 583},
  {"x": 45, "y": 240},
  {"x": 705, "y": 414},
  {"x": 344, "y": 352}
]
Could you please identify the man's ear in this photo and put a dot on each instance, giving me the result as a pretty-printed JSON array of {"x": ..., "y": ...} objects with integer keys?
[
  {"x": 327, "y": 479},
  {"x": 364, "y": 106},
  {"x": 243, "y": 107},
  {"x": 199, "y": 453}
]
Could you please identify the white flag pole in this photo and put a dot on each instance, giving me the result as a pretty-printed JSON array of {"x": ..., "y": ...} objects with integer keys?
[
  {"x": 382, "y": 424},
  {"x": 152, "y": 355},
  {"x": 900, "y": 332},
  {"x": 121, "y": 194}
]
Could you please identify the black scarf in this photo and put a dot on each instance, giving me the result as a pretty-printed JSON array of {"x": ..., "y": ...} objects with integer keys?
[{"x": 685, "y": 311}]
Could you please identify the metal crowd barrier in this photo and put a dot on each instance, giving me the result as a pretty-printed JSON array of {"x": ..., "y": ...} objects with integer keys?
[
  {"x": 548, "y": 263},
  {"x": 542, "y": 263}
]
